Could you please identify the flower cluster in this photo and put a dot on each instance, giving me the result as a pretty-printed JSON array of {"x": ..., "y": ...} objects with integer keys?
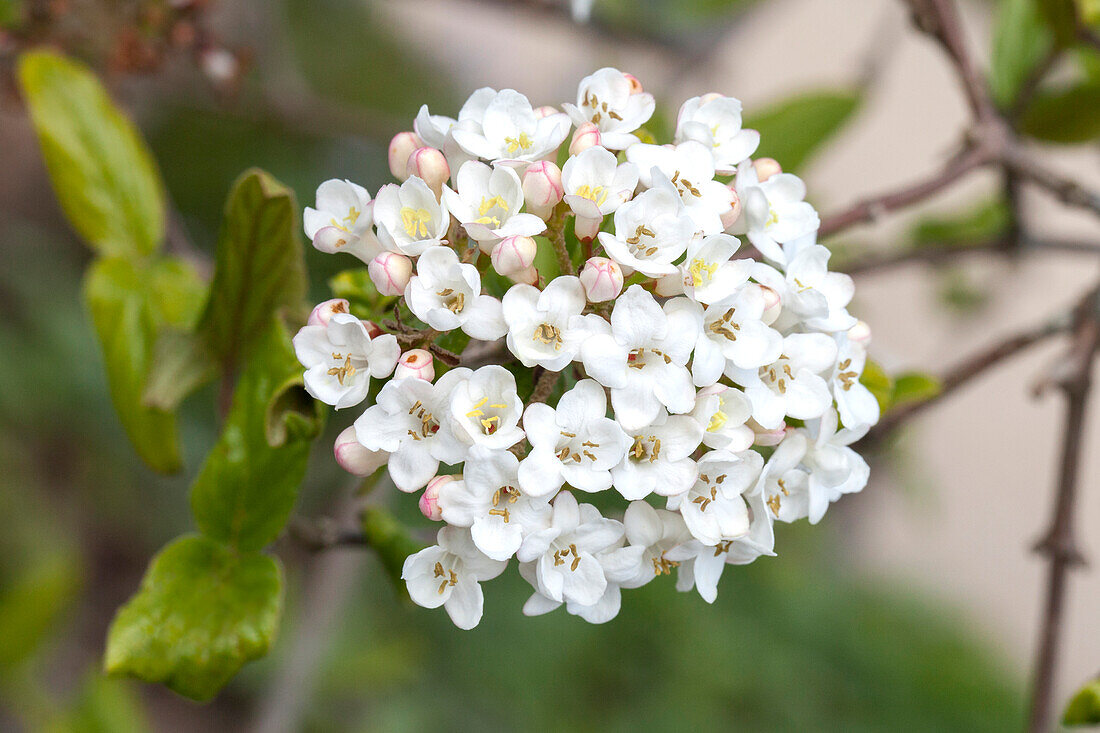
[{"x": 715, "y": 392}]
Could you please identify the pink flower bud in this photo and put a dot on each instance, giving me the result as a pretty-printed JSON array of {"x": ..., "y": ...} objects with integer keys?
[
  {"x": 733, "y": 213},
  {"x": 530, "y": 276},
  {"x": 323, "y": 312},
  {"x": 586, "y": 136},
  {"x": 635, "y": 85},
  {"x": 545, "y": 111},
  {"x": 429, "y": 165},
  {"x": 586, "y": 229},
  {"x": 330, "y": 239},
  {"x": 766, "y": 168},
  {"x": 415, "y": 364},
  {"x": 542, "y": 188},
  {"x": 429, "y": 500},
  {"x": 772, "y": 305},
  {"x": 354, "y": 458},
  {"x": 602, "y": 279},
  {"x": 860, "y": 333},
  {"x": 390, "y": 272},
  {"x": 513, "y": 254},
  {"x": 401, "y": 147},
  {"x": 767, "y": 437}
]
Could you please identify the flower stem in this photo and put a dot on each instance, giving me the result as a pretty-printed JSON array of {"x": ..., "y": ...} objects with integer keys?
[{"x": 556, "y": 233}]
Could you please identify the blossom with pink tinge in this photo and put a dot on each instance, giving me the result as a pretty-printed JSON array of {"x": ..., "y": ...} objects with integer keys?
[
  {"x": 513, "y": 254},
  {"x": 429, "y": 500},
  {"x": 390, "y": 272},
  {"x": 354, "y": 458},
  {"x": 430, "y": 165},
  {"x": 323, "y": 312},
  {"x": 401, "y": 147},
  {"x": 542, "y": 189},
  {"x": 415, "y": 363},
  {"x": 602, "y": 279}
]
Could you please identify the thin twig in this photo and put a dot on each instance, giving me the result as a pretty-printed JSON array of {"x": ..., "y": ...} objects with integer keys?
[
  {"x": 1064, "y": 189},
  {"x": 936, "y": 254},
  {"x": 1059, "y": 544}
]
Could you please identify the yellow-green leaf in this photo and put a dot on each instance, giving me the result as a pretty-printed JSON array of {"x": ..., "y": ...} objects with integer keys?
[
  {"x": 875, "y": 379},
  {"x": 101, "y": 169},
  {"x": 1068, "y": 115},
  {"x": 914, "y": 387},
  {"x": 1021, "y": 40},
  {"x": 203, "y": 610},
  {"x": 793, "y": 130},
  {"x": 1084, "y": 707}
]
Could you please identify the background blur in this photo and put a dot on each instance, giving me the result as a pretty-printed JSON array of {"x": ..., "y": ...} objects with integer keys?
[{"x": 912, "y": 607}]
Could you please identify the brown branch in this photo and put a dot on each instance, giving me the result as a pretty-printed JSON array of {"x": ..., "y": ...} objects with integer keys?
[
  {"x": 1064, "y": 189},
  {"x": 936, "y": 254},
  {"x": 872, "y": 209},
  {"x": 1059, "y": 544}
]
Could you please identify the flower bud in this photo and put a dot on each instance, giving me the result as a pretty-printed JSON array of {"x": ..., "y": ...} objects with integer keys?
[
  {"x": 330, "y": 239},
  {"x": 586, "y": 229},
  {"x": 530, "y": 276},
  {"x": 767, "y": 438},
  {"x": 635, "y": 85},
  {"x": 669, "y": 286},
  {"x": 542, "y": 189},
  {"x": 429, "y": 165},
  {"x": 586, "y": 136},
  {"x": 545, "y": 111},
  {"x": 602, "y": 279},
  {"x": 401, "y": 147},
  {"x": 416, "y": 364},
  {"x": 772, "y": 305},
  {"x": 354, "y": 458},
  {"x": 429, "y": 500},
  {"x": 513, "y": 254},
  {"x": 323, "y": 312},
  {"x": 733, "y": 213},
  {"x": 390, "y": 272},
  {"x": 766, "y": 168},
  {"x": 860, "y": 334}
]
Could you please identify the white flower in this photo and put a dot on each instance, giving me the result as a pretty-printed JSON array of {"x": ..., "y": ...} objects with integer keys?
[
  {"x": 687, "y": 169},
  {"x": 539, "y": 322},
  {"x": 658, "y": 459},
  {"x": 576, "y": 443},
  {"x": 651, "y": 232},
  {"x": 511, "y": 133},
  {"x": 605, "y": 99},
  {"x": 449, "y": 575},
  {"x": 487, "y": 203},
  {"x": 341, "y": 357},
  {"x": 342, "y": 220},
  {"x": 642, "y": 357},
  {"x": 709, "y": 273},
  {"x": 409, "y": 218},
  {"x": 792, "y": 384},
  {"x": 714, "y": 508},
  {"x": 409, "y": 420},
  {"x": 595, "y": 185},
  {"x": 857, "y": 406},
  {"x": 731, "y": 334},
  {"x": 785, "y": 484},
  {"x": 488, "y": 500},
  {"x": 716, "y": 122},
  {"x": 835, "y": 469},
  {"x": 564, "y": 555},
  {"x": 446, "y": 294},
  {"x": 809, "y": 293},
  {"x": 485, "y": 408},
  {"x": 655, "y": 531},
  {"x": 723, "y": 412},
  {"x": 774, "y": 211},
  {"x": 435, "y": 130}
]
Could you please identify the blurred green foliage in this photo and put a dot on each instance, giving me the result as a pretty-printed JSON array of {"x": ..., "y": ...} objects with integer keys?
[
  {"x": 796, "y": 128},
  {"x": 1084, "y": 706}
]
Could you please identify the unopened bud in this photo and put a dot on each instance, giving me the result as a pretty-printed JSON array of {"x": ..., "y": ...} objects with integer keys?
[
  {"x": 323, "y": 312},
  {"x": 860, "y": 333},
  {"x": 545, "y": 111},
  {"x": 390, "y": 272},
  {"x": 513, "y": 254},
  {"x": 766, "y": 168},
  {"x": 542, "y": 189},
  {"x": 415, "y": 364},
  {"x": 772, "y": 305},
  {"x": 401, "y": 147},
  {"x": 354, "y": 458},
  {"x": 602, "y": 279},
  {"x": 635, "y": 85},
  {"x": 530, "y": 276},
  {"x": 733, "y": 213},
  {"x": 430, "y": 165},
  {"x": 767, "y": 438},
  {"x": 586, "y": 228},
  {"x": 429, "y": 500},
  {"x": 586, "y": 136}
]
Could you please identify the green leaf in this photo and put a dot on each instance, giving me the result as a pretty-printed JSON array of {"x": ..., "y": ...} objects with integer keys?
[
  {"x": 980, "y": 223},
  {"x": 1021, "y": 40},
  {"x": 31, "y": 604},
  {"x": 129, "y": 305},
  {"x": 1061, "y": 16},
  {"x": 104, "y": 705},
  {"x": 259, "y": 267},
  {"x": 914, "y": 387},
  {"x": 793, "y": 130},
  {"x": 181, "y": 364},
  {"x": 1068, "y": 115},
  {"x": 1084, "y": 706},
  {"x": 880, "y": 384},
  {"x": 1089, "y": 11},
  {"x": 249, "y": 483},
  {"x": 101, "y": 170},
  {"x": 203, "y": 610}
]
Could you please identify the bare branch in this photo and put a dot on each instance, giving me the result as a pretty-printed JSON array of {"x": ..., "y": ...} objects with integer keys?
[
  {"x": 1064, "y": 189},
  {"x": 937, "y": 254}
]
